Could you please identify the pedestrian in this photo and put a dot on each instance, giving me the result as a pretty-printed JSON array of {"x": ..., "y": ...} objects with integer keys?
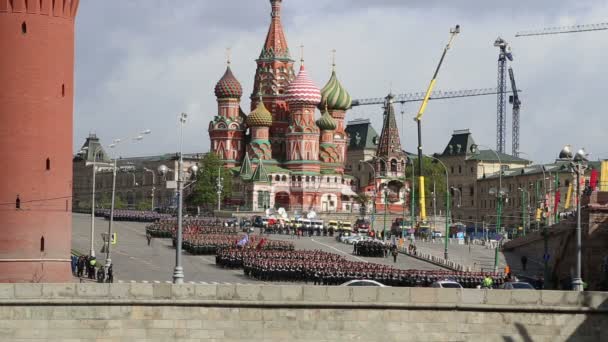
[
  {"x": 395, "y": 253},
  {"x": 149, "y": 238},
  {"x": 524, "y": 262},
  {"x": 110, "y": 274}
]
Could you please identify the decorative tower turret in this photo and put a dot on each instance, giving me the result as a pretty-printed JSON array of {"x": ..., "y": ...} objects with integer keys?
[
  {"x": 328, "y": 151},
  {"x": 338, "y": 101},
  {"x": 36, "y": 115},
  {"x": 227, "y": 128},
  {"x": 303, "y": 137},
  {"x": 390, "y": 159},
  {"x": 260, "y": 120},
  {"x": 273, "y": 75}
]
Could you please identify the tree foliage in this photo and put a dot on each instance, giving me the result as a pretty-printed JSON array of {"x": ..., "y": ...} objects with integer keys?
[
  {"x": 205, "y": 189},
  {"x": 434, "y": 173}
]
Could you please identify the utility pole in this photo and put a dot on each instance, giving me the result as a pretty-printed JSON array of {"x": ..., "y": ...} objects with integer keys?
[
  {"x": 385, "y": 210},
  {"x": 220, "y": 187},
  {"x": 434, "y": 206}
]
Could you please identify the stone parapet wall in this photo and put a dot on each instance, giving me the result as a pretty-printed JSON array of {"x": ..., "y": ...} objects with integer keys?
[{"x": 166, "y": 312}]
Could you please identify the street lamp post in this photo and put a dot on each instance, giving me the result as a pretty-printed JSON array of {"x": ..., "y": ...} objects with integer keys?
[
  {"x": 110, "y": 225},
  {"x": 153, "y": 185},
  {"x": 499, "y": 195},
  {"x": 447, "y": 207},
  {"x": 524, "y": 209},
  {"x": 374, "y": 196},
  {"x": 220, "y": 187},
  {"x": 385, "y": 191},
  {"x": 578, "y": 164}
]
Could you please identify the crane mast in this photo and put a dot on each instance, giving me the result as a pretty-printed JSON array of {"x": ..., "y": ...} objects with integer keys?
[
  {"x": 501, "y": 117},
  {"x": 514, "y": 100}
]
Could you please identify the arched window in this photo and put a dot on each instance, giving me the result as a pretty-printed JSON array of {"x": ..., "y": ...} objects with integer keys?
[
  {"x": 307, "y": 179},
  {"x": 299, "y": 178},
  {"x": 293, "y": 178},
  {"x": 393, "y": 165},
  {"x": 284, "y": 178},
  {"x": 42, "y": 244},
  {"x": 382, "y": 166},
  {"x": 277, "y": 178},
  {"x": 23, "y": 28},
  {"x": 48, "y": 164},
  {"x": 335, "y": 179}
]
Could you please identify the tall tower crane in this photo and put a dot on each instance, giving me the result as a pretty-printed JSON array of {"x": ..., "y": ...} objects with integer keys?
[
  {"x": 435, "y": 95},
  {"x": 563, "y": 29},
  {"x": 501, "y": 117},
  {"x": 514, "y": 100}
]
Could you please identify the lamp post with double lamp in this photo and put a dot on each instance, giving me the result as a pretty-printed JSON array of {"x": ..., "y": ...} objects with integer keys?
[
  {"x": 499, "y": 193},
  {"x": 94, "y": 164},
  {"x": 110, "y": 225},
  {"x": 220, "y": 187},
  {"x": 178, "y": 271},
  {"x": 578, "y": 165},
  {"x": 153, "y": 185},
  {"x": 525, "y": 207},
  {"x": 374, "y": 196}
]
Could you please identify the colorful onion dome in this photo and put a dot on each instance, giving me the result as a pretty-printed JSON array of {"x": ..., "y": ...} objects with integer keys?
[
  {"x": 302, "y": 90},
  {"x": 326, "y": 122},
  {"x": 334, "y": 95},
  {"x": 228, "y": 86},
  {"x": 260, "y": 117}
]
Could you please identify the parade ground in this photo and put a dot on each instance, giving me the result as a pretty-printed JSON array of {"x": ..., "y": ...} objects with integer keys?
[{"x": 134, "y": 260}]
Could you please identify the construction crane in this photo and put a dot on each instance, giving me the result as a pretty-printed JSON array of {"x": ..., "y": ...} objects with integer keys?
[
  {"x": 501, "y": 115},
  {"x": 453, "y": 33},
  {"x": 514, "y": 100},
  {"x": 435, "y": 95},
  {"x": 563, "y": 29}
]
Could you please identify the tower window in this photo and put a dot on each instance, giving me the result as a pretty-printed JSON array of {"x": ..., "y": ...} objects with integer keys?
[
  {"x": 48, "y": 164},
  {"x": 42, "y": 244},
  {"x": 63, "y": 90},
  {"x": 23, "y": 28},
  {"x": 18, "y": 203}
]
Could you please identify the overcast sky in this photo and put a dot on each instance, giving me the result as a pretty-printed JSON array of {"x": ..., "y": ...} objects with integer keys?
[{"x": 139, "y": 63}]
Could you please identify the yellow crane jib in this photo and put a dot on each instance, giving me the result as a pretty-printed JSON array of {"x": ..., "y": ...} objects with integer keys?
[{"x": 421, "y": 198}]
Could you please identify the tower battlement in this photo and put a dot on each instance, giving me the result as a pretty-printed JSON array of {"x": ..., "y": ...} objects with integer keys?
[{"x": 56, "y": 8}]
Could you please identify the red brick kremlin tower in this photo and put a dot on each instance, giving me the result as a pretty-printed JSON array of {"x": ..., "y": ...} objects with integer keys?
[{"x": 36, "y": 112}]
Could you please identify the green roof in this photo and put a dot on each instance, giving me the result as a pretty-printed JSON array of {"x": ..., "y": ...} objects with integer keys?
[
  {"x": 490, "y": 156},
  {"x": 362, "y": 135},
  {"x": 260, "y": 175},
  {"x": 246, "y": 171}
]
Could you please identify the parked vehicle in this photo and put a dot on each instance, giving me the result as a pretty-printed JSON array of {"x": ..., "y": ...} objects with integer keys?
[
  {"x": 517, "y": 285},
  {"x": 446, "y": 284},
  {"x": 362, "y": 225},
  {"x": 437, "y": 234},
  {"x": 363, "y": 282}
]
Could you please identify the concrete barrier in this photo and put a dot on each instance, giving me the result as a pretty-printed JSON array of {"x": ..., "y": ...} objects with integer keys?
[{"x": 167, "y": 312}]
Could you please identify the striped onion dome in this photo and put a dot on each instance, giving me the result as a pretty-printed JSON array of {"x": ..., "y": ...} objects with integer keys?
[
  {"x": 302, "y": 90},
  {"x": 228, "y": 86},
  {"x": 326, "y": 122},
  {"x": 260, "y": 117},
  {"x": 334, "y": 95}
]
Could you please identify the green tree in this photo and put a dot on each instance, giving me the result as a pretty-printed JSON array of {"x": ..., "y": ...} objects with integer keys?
[
  {"x": 363, "y": 200},
  {"x": 145, "y": 204},
  {"x": 106, "y": 201},
  {"x": 433, "y": 172},
  {"x": 205, "y": 189}
]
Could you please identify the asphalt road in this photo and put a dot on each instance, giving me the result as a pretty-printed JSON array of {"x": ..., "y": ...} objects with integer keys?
[{"x": 134, "y": 260}]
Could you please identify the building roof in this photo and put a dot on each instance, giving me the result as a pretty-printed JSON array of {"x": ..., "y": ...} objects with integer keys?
[
  {"x": 275, "y": 46},
  {"x": 334, "y": 96},
  {"x": 228, "y": 86},
  {"x": 362, "y": 135},
  {"x": 462, "y": 144},
  {"x": 303, "y": 90},
  {"x": 260, "y": 117},
  {"x": 389, "y": 143},
  {"x": 260, "y": 175},
  {"x": 91, "y": 150},
  {"x": 246, "y": 170},
  {"x": 326, "y": 122}
]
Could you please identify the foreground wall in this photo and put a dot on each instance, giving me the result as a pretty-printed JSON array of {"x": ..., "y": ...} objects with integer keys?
[{"x": 165, "y": 312}]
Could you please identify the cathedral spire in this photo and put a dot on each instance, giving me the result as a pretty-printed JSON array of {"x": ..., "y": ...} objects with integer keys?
[
  {"x": 390, "y": 144},
  {"x": 275, "y": 46}
]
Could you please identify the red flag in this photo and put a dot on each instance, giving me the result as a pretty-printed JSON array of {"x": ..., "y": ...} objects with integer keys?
[
  {"x": 593, "y": 180},
  {"x": 261, "y": 243},
  {"x": 558, "y": 197}
]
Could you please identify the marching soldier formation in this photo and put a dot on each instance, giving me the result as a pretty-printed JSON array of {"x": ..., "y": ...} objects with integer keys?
[
  {"x": 371, "y": 248},
  {"x": 209, "y": 244},
  {"x": 132, "y": 215},
  {"x": 167, "y": 228}
]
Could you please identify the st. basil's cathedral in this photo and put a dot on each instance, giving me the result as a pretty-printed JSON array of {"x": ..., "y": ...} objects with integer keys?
[{"x": 279, "y": 154}]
